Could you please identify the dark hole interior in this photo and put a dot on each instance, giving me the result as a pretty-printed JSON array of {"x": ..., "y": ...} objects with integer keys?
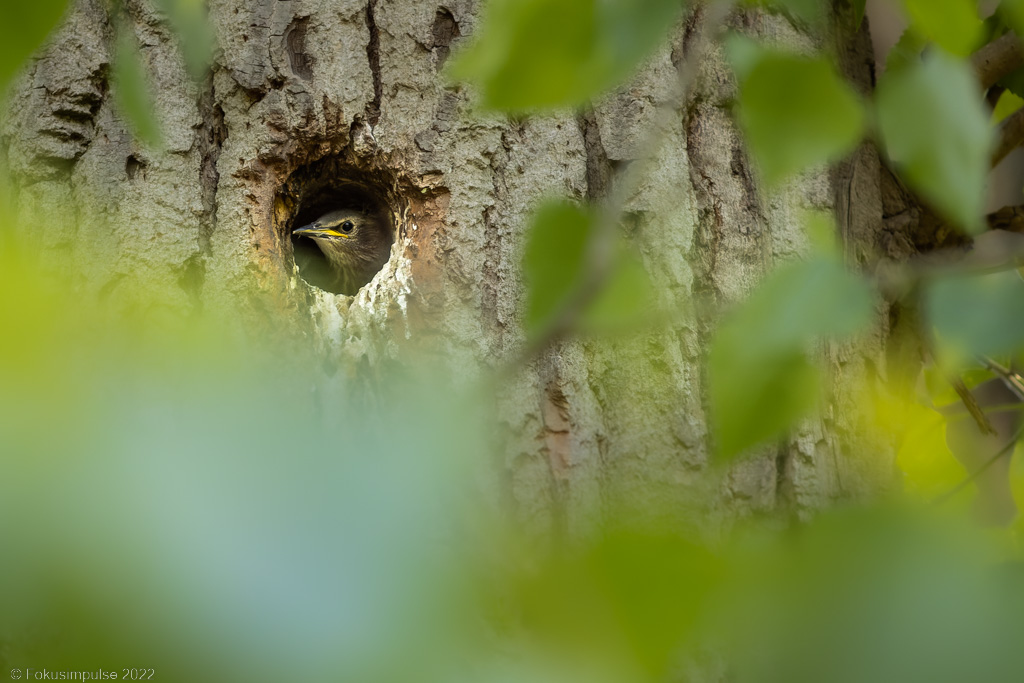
[{"x": 313, "y": 265}]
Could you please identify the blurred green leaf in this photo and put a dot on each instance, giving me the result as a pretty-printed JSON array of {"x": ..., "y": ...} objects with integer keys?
[
  {"x": 538, "y": 663},
  {"x": 796, "y": 111},
  {"x": 132, "y": 91},
  {"x": 982, "y": 314},
  {"x": 657, "y": 586},
  {"x": 820, "y": 228},
  {"x": 625, "y": 301},
  {"x": 756, "y": 399},
  {"x": 952, "y": 24},
  {"x": 1008, "y": 103},
  {"x": 24, "y": 27},
  {"x": 553, "y": 263},
  {"x": 167, "y": 484},
  {"x": 744, "y": 54},
  {"x": 858, "y": 12},
  {"x": 1012, "y": 12},
  {"x": 876, "y": 595},
  {"x": 761, "y": 381},
  {"x": 1014, "y": 82},
  {"x": 936, "y": 380},
  {"x": 934, "y": 125},
  {"x": 906, "y": 51},
  {"x": 531, "y": 54},
  {"x": 190, "y": 22},
  {"x": 624, "y": 595},
  {"x": 992, "y": 27},
  {"x": 810, "y": 12}
]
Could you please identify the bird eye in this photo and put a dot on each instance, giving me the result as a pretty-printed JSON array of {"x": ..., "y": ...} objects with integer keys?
[{"x": 347, "y": 226}]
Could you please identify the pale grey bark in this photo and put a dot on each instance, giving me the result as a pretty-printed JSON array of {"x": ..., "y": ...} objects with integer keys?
[{"x": 306, "y": 93}]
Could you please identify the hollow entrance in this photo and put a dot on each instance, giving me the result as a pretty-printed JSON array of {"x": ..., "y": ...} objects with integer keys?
[{"x": 347, "y": 218}]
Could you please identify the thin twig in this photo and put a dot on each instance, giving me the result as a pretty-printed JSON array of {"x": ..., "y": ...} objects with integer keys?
[
  {"x": 952, "y": 413},
  {"x": 995, "y": 251},
  {"x": 970, "y": 479},
  {"x": 1011, "y": 380},
  {"x": 1015, "y": 384},
  {"x": 972, "y": 406}
]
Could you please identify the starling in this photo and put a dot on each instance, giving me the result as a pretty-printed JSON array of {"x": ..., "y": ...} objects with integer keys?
[{"x": 355, "y": 243}]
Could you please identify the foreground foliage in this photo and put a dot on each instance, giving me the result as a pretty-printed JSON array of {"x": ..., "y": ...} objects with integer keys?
[{"x": 173, "y": 500}]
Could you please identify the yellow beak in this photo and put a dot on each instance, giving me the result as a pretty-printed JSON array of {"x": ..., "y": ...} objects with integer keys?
[{"x": 312, "y": 230}]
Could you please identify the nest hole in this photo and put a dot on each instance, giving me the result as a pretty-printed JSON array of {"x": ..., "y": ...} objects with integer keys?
[{"x": 359, "y": 210}]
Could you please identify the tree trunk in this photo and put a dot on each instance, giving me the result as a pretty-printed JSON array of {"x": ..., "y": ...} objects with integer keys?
[{"x": 312, "y": 102}]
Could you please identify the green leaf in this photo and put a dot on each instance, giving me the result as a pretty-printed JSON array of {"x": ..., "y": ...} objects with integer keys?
[
  {"x": 533, "y": 54},
  {"x": 758, "y": 399},
  {"x": 992, "y": 27},
  {"x": 24, "y": 27},
  {"x": 820, "y": 228},
  {"x": 761, "y": 381},
  {"x": 1014, "y": 82},
  {"x": 858, "y": 12},
  {"x": 935, "y": 128},
  {"x": 1009, "y": 102},
  {"x": 744, "y": 54},
  {"x": 796, "y": 111},
  {"x": 881, "y": 593},
  {"x": 1012, "y": 12},
  {"x": 952, "y": 24},
  {"x": 906, "y": 51},
  {"x": 625, "y": 301},
  {"x": 190, "y": 22},
  {"x": 132, "y": 91},
  {"x": 553, "y": 263},
  {"x": 981, "y": 314},
  {"x": 554, "y": 266},
  {"x": 640, "y": 593},
  {"x": 810, "y": 12}
]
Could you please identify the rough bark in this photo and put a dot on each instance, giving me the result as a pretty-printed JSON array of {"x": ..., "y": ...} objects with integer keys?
[{"x": 313, "y": 97}]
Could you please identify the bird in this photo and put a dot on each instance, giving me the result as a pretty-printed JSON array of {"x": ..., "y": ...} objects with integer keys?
[{"x": 355, "y": 243}]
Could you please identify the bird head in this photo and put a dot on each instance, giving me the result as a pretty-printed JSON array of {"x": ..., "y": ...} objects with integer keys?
[
  {"x": 355, "y": 243},
  {"x": 338, "y": 226}
]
